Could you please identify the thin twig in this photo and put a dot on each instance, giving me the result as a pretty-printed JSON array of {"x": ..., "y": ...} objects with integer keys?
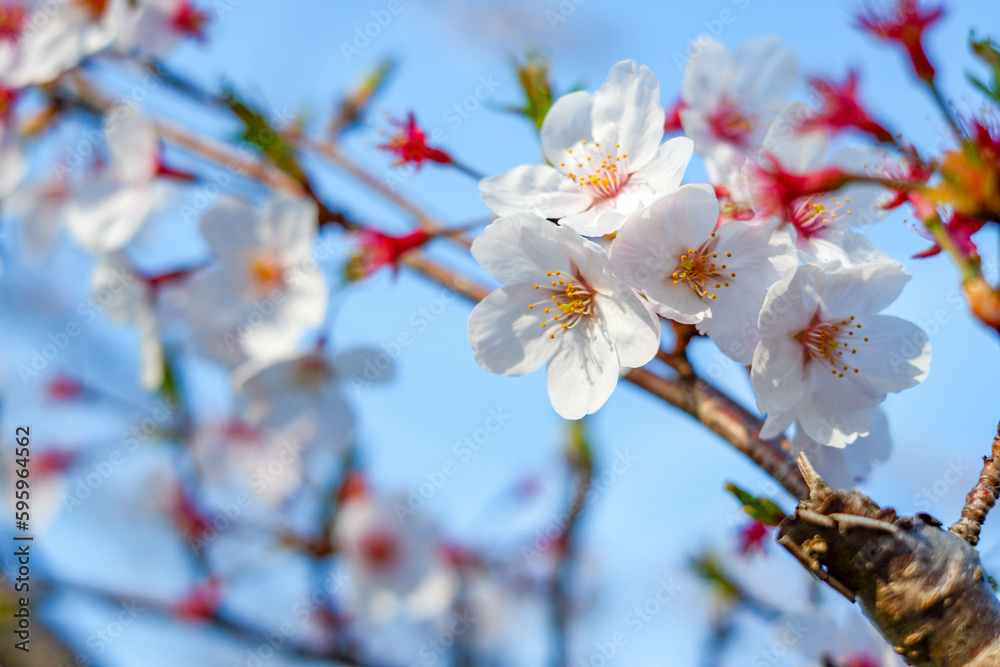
[{"x": 982, "y": 498}]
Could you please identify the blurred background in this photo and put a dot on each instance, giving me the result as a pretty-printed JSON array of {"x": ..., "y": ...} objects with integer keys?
[{"x": 110, "y": 536}]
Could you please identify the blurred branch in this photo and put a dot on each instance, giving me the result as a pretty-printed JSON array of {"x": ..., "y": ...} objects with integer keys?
[{"x": 580, "y": 458}]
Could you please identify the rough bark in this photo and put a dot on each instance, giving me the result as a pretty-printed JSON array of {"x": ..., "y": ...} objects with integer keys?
[{"x": 921, "y": 586}]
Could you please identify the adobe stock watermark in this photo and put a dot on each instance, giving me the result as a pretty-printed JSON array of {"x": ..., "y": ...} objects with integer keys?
[
  {"x": 364, "y": 34},
  {"x": 102, "y": 639},
  {"x": 789, "y": 637},
  {"x": 931, "y": 495},
  {"x": 637, "y": 619},
  {"x": 272, "y": 642},
  {"x": 259, "y": 480},
  {"x": 552, "y": 532},
  {"x": 432, "y": 651},
  {"x": 419, "y": 321},
  {"x": 463, "y": 451},
  {"x": 213, "y": 185},
  {"x": 89, "y": 481},
  {"x": 454, "y": 117},
  {"x": 714, "y": 27},
  {"x": 59, "y": 340}
]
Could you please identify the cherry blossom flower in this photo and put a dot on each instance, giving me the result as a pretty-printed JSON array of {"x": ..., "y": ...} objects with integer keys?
[
  {"x": 607, "y": 161},
  {"x": 41, "y": 206},
  {"x": 694, "y": 273},
  {"x": 729, "y": 101},
  {"x": 828, "y": 357},
  {"x": 106, "y": 213},
  {"x": 266, "y": 289},
  {"x": 305, "y": 390},
  {"x": 234, "y": 456},
  {"x": 129, "y": 299},
  {"x": 160, "y": 25},
  {"x": 396, "y": 566},
  {"x": 409, "y": 145},
  {"x": 561, "y": 306},
  {"x": 905, "y": 25},
  {"x": 39, "y": 40},
  {"x": 811, "y": 193}
]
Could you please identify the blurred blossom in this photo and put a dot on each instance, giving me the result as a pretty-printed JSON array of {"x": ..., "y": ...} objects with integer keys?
[
  {"x": 159, "y": 25},
  {"x": 810, "y": 194},
  {"x": 729, "y": 100},
  {"x": 129, "y": 299},
  {"x": 105, "y": 213},
  {"x": 40, "y": 39},
  {"x": 265, "y": 290},
  {"x": 397, "y": 566},
  {"x": 409, "y": 145}
]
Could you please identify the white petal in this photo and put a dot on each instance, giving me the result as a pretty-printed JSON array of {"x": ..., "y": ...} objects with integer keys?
[
  {"x": 798, "y": 152},
  {"x": 231, "y": 228},
  {"x": 508, "y": 337},
  {"x": 521, "y": 248},
  {"x": 756, "y": 253},
  {"x": 648, "y": 247},
  {"x": 664, "y": 172},
  {"x": 627, "y": 111},
  {"x": 105, "y": 215},
  {"x": 634, "y": 332},
  {"x": 895, "y": 356},
  {"x": 566, "y": 123},
  {"x": 583, "y": 373},
  {"x": 861, "y": 290},
  {"x": 836, "y": 410},
  {"x": 836, "y": 243},
  {"x": 764, "y": 74},
  {"x": 537, "y": 189},
  {"x": 776, "y": 423},
  {"x": 595, "y": 221},
  {"x": 290, "y": 225},
  {"x": 706, "y": 75},
  {"x": 134, "y": 147},
  {"x": 792, "y": 302},
  {"x": 777, "y": 374}
]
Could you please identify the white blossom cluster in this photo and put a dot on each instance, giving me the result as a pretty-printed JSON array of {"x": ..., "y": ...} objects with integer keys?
[{"x": 785, "y": 284}]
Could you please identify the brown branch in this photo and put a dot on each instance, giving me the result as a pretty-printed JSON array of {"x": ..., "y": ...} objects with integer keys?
[
  {"x": 982, "y": 498},
  {"x": 922, "y": 587},
  {"x": 727, "y": 419}
]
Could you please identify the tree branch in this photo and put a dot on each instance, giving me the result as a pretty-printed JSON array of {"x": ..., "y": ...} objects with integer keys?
[
  {"x": 982, "y": 498},
  {"x": 922, "y": 587}
]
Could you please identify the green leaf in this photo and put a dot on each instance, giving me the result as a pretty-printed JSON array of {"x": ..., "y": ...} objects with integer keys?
[
  {"x": 988, "y": 53},
  {"x": 258, "y": 132},
  {"x": 761, "y": 509},
  {"x": 533, "y": 77}
]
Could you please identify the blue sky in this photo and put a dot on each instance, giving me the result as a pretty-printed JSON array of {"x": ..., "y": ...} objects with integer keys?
[{"x": 650, "y": 519}]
